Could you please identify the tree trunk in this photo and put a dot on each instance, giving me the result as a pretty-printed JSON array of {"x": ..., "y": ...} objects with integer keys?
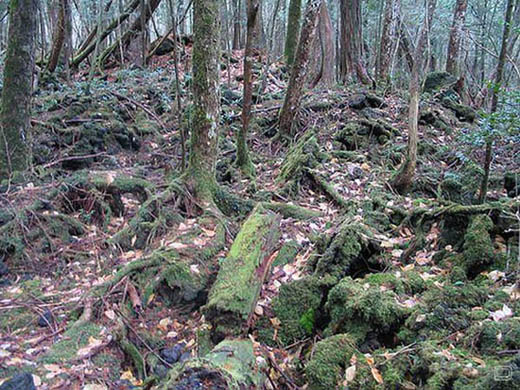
[
  {"x": 233, "y": 297},
  {"x": 293, "y": 29},
  {"x": 404, "y": 178},
  {"x": 291, "y": 104},
  {"x": 326, "y": 74},
  {"x": 388, "y": 38},
  {"x": 351, "y": 42},
  {"x": 459, "y": 18},
  {"x": 206, "y": 99},
  {"x": 495, "y": 89},
  {"x": 15, "y": 112},
  {"x": 236, "y": 25},
  {"x": 58, "y": 38},
  {"x": 243, "y": 159}
]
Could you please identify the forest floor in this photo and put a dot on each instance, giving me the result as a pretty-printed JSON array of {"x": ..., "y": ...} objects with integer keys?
[{"x": 369, "y": 289}]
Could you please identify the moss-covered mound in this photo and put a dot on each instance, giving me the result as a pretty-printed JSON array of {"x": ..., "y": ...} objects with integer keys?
[
  {"x": 358, "y": 308},
  {"x": 297, "y": 306},
  {"x": 327, "y": 366}
]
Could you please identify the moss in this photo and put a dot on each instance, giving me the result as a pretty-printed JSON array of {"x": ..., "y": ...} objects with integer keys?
[
  {"x": 478, "y": 250},
  {"x": 438, "y": 80},
  {"x": 462, "y": 112},
  {"x": 76, "y": 337},
  {"x": 347, "y": 252},
  {"x": 240, "y": 277},
  {"x": 402, "y": 283},
  {"x": 494, "y": 336},
  {"x": 287, "y": 253},
  {"x": 351, "y": 304},
  {"x": 327, "y": 366},
  {"x": 230, "y": 365},
  {"x": 304, "y": 154},
  {"x": 297, "y": 306}
]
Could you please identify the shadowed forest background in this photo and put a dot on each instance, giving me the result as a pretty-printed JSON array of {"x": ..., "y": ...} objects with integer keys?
[{"x": 260, "y": 194}]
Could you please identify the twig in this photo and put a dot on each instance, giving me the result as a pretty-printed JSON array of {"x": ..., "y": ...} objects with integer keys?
[{"x": 146, "y": 109}]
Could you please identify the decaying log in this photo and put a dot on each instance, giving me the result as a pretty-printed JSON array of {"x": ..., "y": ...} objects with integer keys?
[{"x": 234, "y": 294}]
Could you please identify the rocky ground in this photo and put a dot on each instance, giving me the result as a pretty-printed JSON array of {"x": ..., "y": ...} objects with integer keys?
[{"x": 105, "y": 269}]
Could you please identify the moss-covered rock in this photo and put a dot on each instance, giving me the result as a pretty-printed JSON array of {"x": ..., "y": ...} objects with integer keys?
[
  {"x": 297, "y": 306},
  {"x": 348, "y": 251},
  {"x": 438, "y": 80},
  {"x": 230, "y": 365},
  {"x": 512, "y": 183},
  {"x": 462, "y": 112},
  {"x": 478, "y": 250},
  {"x": 354, "y": 305},
  {"x": 327, "y": 367}
]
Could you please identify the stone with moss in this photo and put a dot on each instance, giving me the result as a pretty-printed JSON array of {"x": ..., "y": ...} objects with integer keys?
[
  {"x": 327, "y": 366},
  {"x": 438, "y": 80},
  {"x": 230, "y": 365},
  {"x": 348, "y": 251},
  {"x": 462, "y": 112},
  {"x": 298, "y": 307},
  {"x": 353, "y": 305},
  {"x": 478, "y": 249}
]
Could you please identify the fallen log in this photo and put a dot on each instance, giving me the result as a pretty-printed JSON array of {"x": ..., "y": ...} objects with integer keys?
[
  {"x": 231, "y": 365},
  {"x": 234, "y": 294}
]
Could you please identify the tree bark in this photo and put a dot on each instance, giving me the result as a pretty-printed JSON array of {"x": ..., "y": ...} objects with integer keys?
[
  {"x": 459, "y": 18},
  {"x": 388, "y": 38},
  {"x": 15, "y": 112},
  {"x": 59, "y": 37},
  {"x": 326, "y": 74},
  {"x": 351, "y": 42},
  {"x": 495, "y": 89},
  {"x": 243, "y": 159},
  {"x": 294, "y": 93},
  {"x": 206, "y": 99},
  {"x": 404, "y": 178},
  {"x": 293, "y": 29}
]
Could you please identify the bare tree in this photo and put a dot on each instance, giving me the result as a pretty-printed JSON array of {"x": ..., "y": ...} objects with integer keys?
[
  {"x": 243, "y": 159},
  {"x": 459, "y": 18},
  {"x": 404, "y": 178},
  {"x": 294, "y": 93}
]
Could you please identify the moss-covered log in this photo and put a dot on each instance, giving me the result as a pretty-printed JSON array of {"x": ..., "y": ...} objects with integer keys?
[
  {"x": 230, "y": 365},
  {"x": 242, "y": 273}
]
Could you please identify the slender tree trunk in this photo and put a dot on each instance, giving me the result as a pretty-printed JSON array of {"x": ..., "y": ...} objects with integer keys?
[
  {"x": 60, "y": 36},
  {"x": 206, "y": 99},
  {"x": 351, "y": 42},
  {"x": 494, "y": 97},
  {"x": 15, "y": 112},
  {"x": 236, "y": 25},
  {"x": 459, "y": 18},
  {"x": 404, "y": 178},
  {"x": 388, "y": 38},
  {"x": 243, "y": 159},
  {"x": 293, "y": 29},
  {"x": 294, "y": 93}
]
